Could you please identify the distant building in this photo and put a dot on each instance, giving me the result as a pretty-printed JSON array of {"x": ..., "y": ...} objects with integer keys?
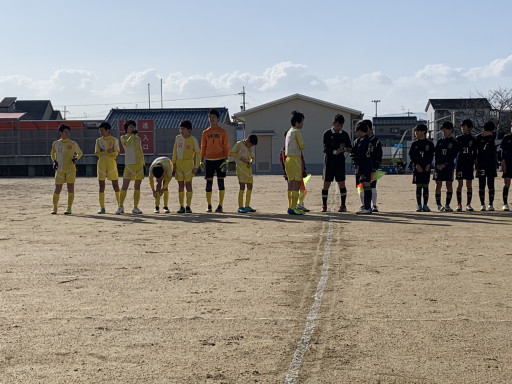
[
  {"x": 455, "y": 110},
  {"x": 271, "y": 120},
  {"x": 31, "y": 109},
  {"x": 391, "y": 129}
]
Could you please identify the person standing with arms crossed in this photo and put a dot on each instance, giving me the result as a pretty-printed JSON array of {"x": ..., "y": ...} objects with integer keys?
[{"x": 107, "y": 149}]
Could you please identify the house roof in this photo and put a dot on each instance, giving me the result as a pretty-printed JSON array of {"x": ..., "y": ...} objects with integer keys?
[
  {"x": 35, "y": 109},
  {"x": 168, "y": 118},
  {"x": 470, "y": 103},
  {"x": 249, "y": 111},
  {"x": 7, "y": 102},
  {"x": 11, "y": 116}
]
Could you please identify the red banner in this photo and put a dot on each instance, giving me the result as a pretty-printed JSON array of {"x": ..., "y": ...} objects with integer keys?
[{"x": 146, "y": 130}]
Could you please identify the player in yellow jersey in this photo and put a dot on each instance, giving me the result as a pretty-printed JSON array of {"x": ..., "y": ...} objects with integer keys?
[
  {"x": 134, "y": 165},
  {"x": 161, "y": 170},
  {"x": 294, "y": 145},
  {"x": 244, "y": 159},
  {"x": 107, "y": 149},
  {"x": 186, "y": 156},
  {"x": 65, "y": 153}
]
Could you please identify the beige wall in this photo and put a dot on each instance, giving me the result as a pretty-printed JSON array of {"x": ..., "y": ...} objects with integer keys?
[{"x": 277, "y": 118}]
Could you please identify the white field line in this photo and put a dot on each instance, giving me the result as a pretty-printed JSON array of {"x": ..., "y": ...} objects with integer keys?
[{"x": 298, "y": 356}]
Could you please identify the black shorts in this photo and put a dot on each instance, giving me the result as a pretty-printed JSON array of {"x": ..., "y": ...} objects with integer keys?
[
  {"x": 421, "y": 177},
  {"x": 465, "y": 172},
  {"x": 212, "y": 167},
  {"x": 334, "y": 169},
  {"x": 446, "y": 174},
  {"x": 365, "y": 174},
  {"x": 508, "y": 174},
  {"x": 486, "y": 173}
]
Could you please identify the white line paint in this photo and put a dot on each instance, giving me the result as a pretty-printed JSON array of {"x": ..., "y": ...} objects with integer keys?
[{"x": 298, "y": 356}]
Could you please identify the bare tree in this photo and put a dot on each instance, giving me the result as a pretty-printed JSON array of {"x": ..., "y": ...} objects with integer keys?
[{"x": 501, "y": 112}]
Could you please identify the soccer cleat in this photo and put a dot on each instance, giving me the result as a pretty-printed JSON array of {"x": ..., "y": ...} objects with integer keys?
[
  {"x": 53, "y": 212},
  {"x": 182, "y": 210},
  {"x": 469, "y": 208},
  {"x": 447, "y": 208},
  {"x": 459, "y": 207},
  {"x": 324, "y": 209},
  {"x": 375, "y": 209},
  {"x": 101, "y": 211},
  {"x": 166, "y": 210},
  {"x": 136, "y": 210},
  {"x": 156, "y": 210},
  {"x": 290, "y": 211},
  {"x": 209, "y": 209},
  {"x": 298, "y": 211},
  {"x": 119, "y": 210},
  {"x": 426, "y": 208},
  {"x": 419, "y": 208},
  {"x": 342, "y": 208},
  {"x": 302, "y": 208},
  {"x": 242, "y": 210},
  {"x": 250, "y": 209},
  {"x": 67, "y": 211},
  {"x": 440, "y": 208},
  {"x": 490, "y": 208},
  {"x": 482, "y": 208},
  {"x": 187, "y": 209},
  {"x": 219, "y": 209},
  {"x": 505, "y": 208},
  {"x": 364, "y": 211}
]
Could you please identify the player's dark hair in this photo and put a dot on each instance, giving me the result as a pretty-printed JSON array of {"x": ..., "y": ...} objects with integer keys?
[
  {"x": 253, "y": 139},
  {"x": 187, "y": 124},
  {"x": 158, "y": 171},
  {"x": 361, "y": 126},
  {"x": 128, "y": 123},
  {"x": 447, "y": 125},
  {"x": 489, "y": 126},
  {"x": 420, "y": 128},
  {"x": 62, "y": 127},
  {"x": 105, "y": 125},
  {"x": 369, "y": 123},
  {"x": 339, "y": 119},
  {"x": 214, "y": 112},
  {"x": 468, "y": 123},
  {"x": 297, "y": 117}
]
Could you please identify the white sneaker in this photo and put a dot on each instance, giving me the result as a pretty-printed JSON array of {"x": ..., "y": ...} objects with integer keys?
[
  {"x": 156, "y": 210},
  {"x": 482, "y": 208},
  {"x": 136, "y": 210},
  {"x": 490, "y": 208},
  {"x": 363, "y": 211},
  {"x": 119, "y": 210},
  {"x": 505, "y": 208}
]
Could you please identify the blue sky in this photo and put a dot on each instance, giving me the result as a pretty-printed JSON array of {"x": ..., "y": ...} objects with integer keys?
[{"x": 91, "y": 56}]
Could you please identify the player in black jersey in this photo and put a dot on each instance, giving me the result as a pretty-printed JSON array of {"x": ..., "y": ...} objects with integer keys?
[
  {"x": 445, "y": 154},
  {"x": 486, "y": 163},
  {"x": 506, "y": 166},
  {"x": 465, "y": 164},
  {"x": 376, "y": 155},
  {"x": 421, "y": 154}
]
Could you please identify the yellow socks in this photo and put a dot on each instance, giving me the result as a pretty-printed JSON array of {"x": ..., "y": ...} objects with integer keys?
[
  {"x": 181, "y": 198},
  {"x": 166, "y": 198},
  {"x": 157, "y": 200},
  {"x": 289, "y": 195},
  {"x": 248, "y": 197},
  {"x": 295, "y": 197},
  {"x": 136, "y": 197},
  {"x": 221, "y": 197},
  {"x": 71, "y": 197},
  {"x": 189, "y": 198},
  {"x": 122, "y": 196},
  {"x": 240, "y": 198},
  {"x": 56, "y": 197},
  {"x": 118, "y": 198},
  {"x": 209, "y": 198},
  {"x": 102, "y": 199}
]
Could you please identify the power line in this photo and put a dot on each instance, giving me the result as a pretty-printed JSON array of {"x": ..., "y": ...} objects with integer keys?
[{"x": 143, "y": 102}]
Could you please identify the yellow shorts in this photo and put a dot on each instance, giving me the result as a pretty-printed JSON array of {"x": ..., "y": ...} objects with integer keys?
[
  {"x": 293, "y": 168},
  {"x": 107, "y": 169},
  {"x": 65, "y": 177},
  {"x": 133, "y": 172},
  {"x": 244, "y": 173},
  {"x": 183, "y": 171}
]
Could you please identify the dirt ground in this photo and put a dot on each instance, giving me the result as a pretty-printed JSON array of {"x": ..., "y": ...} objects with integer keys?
[{"x": 393, "y": 297}]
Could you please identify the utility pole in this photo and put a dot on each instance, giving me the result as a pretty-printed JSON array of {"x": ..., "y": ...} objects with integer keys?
[
  {"x": 161, "y": 93},
  {"x": 149, "y": 97},
  {"x": 65, "y": 111},
  {"x": 242, "y": 107},
  {"x": 375, "y": 101}
]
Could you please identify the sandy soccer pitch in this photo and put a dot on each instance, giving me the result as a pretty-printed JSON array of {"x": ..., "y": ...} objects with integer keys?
[{"x": 393, "y": 297}]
